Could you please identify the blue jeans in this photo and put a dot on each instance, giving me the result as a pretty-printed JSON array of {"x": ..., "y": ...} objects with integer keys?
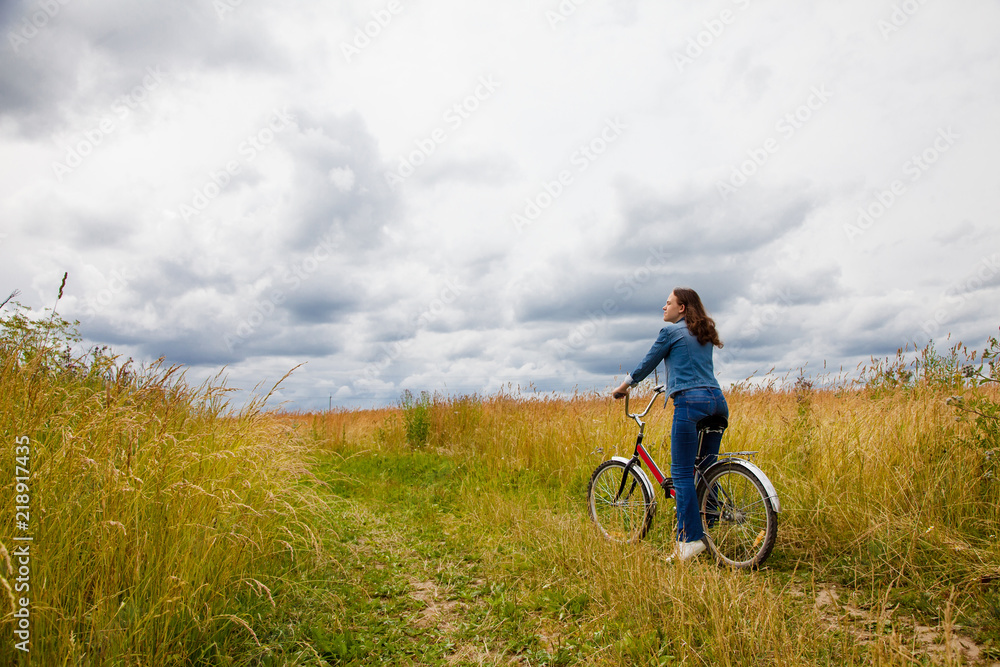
[{"x": 690, "y": 406}]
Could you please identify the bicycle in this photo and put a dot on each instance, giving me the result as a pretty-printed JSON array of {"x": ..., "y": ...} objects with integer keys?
[{"x": 739, "y": 505}]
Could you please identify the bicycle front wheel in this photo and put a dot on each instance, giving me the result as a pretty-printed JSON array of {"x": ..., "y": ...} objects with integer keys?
[
  {"x": 623, "y": 512},
  {"x": 738, "y": 515}
]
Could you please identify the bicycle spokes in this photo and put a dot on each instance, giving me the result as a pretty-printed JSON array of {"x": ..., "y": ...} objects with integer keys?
[
  {"x": 619, "y": 503},
  {"x": 738, "y": 516}
]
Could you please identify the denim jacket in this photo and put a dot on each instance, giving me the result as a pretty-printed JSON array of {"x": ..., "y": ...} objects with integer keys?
[{"x": 688, "y": 363}]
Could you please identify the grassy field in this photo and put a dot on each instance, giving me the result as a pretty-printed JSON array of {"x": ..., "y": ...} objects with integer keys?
[
  {"x": 887, "y": 550},
  {"x": 167, "y": 530}
]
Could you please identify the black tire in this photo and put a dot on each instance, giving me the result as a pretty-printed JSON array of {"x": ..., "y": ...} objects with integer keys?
[
  {"x": 628, "y": 518},
  {"x": 740, "y": 523}
]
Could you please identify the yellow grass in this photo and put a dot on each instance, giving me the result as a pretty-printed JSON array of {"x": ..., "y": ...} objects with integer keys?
[{"x": 157, "y": 523}]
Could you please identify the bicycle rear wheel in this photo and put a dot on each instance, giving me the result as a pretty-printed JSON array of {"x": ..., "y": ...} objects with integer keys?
[
  {"x": 738, "y": 515},
  {"x": 621, "y": 518}
]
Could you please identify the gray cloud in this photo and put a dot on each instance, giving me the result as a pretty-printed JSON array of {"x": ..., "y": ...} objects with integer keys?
[
  {"x": 702, "y": 223},
  {"x": 339, "y": 182},
  {"x": 321, "y": 304},
  {"x": 40, "y": 74}
]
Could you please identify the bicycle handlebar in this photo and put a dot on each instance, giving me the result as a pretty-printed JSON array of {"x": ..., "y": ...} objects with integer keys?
[{"x": 656, "y": 392}]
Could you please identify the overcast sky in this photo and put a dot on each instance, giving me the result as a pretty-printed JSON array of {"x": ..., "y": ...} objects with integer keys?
[{"x": 463, "y": 197}]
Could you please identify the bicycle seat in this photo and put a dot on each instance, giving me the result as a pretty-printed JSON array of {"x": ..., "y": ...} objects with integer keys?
[{"x": 712, "y": 423}]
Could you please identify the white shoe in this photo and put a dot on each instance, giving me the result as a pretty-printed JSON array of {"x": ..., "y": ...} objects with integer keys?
[{"x": 687, "y": 550}]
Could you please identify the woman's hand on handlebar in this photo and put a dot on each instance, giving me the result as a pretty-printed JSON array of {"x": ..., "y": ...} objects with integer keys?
[{"x": 621, "y": 391}]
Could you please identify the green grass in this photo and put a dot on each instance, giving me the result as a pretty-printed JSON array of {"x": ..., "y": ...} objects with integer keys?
[
  {"x": 518, "y": 574},
  {"x": 522, "y": 578}
]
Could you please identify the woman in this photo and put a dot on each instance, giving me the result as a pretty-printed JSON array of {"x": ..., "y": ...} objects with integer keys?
[{"x": 685, "y": 345}]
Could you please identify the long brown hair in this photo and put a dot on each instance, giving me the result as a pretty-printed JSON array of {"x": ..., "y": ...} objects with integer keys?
[{"x": 698, "y": 322}]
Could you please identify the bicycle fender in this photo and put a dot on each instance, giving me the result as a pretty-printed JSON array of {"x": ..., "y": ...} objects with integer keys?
[
  {"x": 640, "y": 473},
  {"x": 772, "y": 494}
]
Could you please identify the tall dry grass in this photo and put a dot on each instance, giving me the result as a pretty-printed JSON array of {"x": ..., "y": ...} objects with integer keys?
[
  {"x": 163, "y": 527},
  {"x": 883, "y": 491},
  {"x": 849, "y": 463}
]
